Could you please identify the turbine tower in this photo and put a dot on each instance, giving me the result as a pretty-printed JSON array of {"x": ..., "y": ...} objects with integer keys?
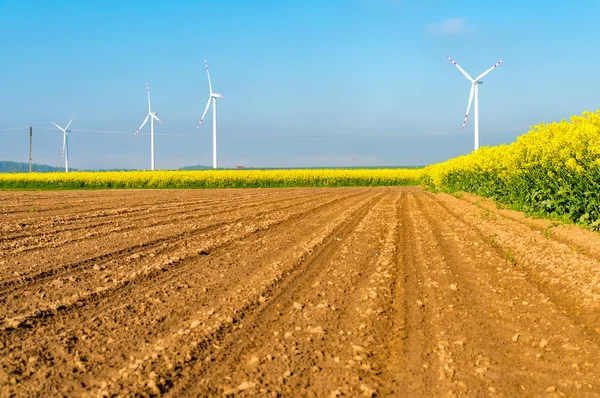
[
  {"x": 474, "y": 93},
  {"x": 151, "y": 115},
  {"x": 213, "y": 97},
  {"x": 65, "y": 150}
]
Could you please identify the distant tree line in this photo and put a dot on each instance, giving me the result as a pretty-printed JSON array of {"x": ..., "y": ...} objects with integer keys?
[{"x": 21, "y": 167}]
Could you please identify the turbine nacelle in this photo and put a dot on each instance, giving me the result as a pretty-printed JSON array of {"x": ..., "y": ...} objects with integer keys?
[{"x": 213, "y": 95}]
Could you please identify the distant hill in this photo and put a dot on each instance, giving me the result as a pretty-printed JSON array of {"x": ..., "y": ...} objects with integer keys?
[{"x": 21, "y": 167}]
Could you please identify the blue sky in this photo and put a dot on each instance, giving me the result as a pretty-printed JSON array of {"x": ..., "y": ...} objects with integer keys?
[{"x": 306, "y": 83}]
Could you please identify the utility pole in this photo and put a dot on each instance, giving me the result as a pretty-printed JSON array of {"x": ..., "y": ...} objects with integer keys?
[{"x": 30, "y": 146}]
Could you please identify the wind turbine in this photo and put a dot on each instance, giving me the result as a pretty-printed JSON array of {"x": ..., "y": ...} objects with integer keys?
[
  {"x": 474, "y": 92},
  {"x": 151, "y": 115},
  {"x": 65, "y": 151},
  {"x": 213, "y": 97}
]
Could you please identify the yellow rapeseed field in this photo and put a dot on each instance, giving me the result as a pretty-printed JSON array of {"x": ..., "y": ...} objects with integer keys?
[
  {"x": 553, "y": 169},
  {"x": 212, "y": 179}
]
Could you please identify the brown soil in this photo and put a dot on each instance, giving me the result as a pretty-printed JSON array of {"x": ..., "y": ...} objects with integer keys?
[{"x": 293, "y": 292}]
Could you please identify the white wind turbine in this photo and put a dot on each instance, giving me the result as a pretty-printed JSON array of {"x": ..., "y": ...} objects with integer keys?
[
  {"x": 151, "y": 115},
  {"x": 65, "y": 151},
  {"x": 213, "y": 97},
  {"x": 474, "y": 92}
]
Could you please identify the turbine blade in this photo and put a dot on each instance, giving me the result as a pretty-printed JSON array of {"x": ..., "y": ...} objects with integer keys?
[
  {"x": 461, "y": 70},
  {"x": 64, "y": 143},
  {"x": 208, "y": 73},
  {"x": 70, "y": 121},
  {"x": 204, "y": 114},
  {"x": 60, "y": 128},
  {"x": 145, "y": 121},
  {"x": 489, "y": 70},
  {"x": 156, "y": 118},
  {"x": 469, "y": 105},
  {"x": 148, "y": 91}
]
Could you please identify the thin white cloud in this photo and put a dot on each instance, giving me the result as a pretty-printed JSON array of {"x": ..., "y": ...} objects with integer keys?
[{"x": 449, "y": 27}]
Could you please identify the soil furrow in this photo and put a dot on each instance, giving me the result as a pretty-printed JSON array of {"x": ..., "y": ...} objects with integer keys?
[
  {"x": 293, "y": 292},
  {"x": 152, "y": 257},
  {"x": 569, "y": 278},
  {"x": 485, "y": 292},
  {"x": 95, "y": 218},
  {"x": 86, "y": 232},
  {"x": 210, "y": 275},
  {"x": 259, "y": 326},
  {"x": 77, "y": 206},
  {"x": 166, "y": 237},
  {"x": 577, "y": 238}
]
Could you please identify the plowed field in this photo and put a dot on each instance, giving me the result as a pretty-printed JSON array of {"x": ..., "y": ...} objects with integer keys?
[{"x": 293, "y": 292}]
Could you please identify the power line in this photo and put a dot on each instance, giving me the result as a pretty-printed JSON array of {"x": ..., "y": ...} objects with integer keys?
[
  {"x": 14, "y": 128},
  {"x": 119, "y": 132},
  {"x": 274, "y": 136}
]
